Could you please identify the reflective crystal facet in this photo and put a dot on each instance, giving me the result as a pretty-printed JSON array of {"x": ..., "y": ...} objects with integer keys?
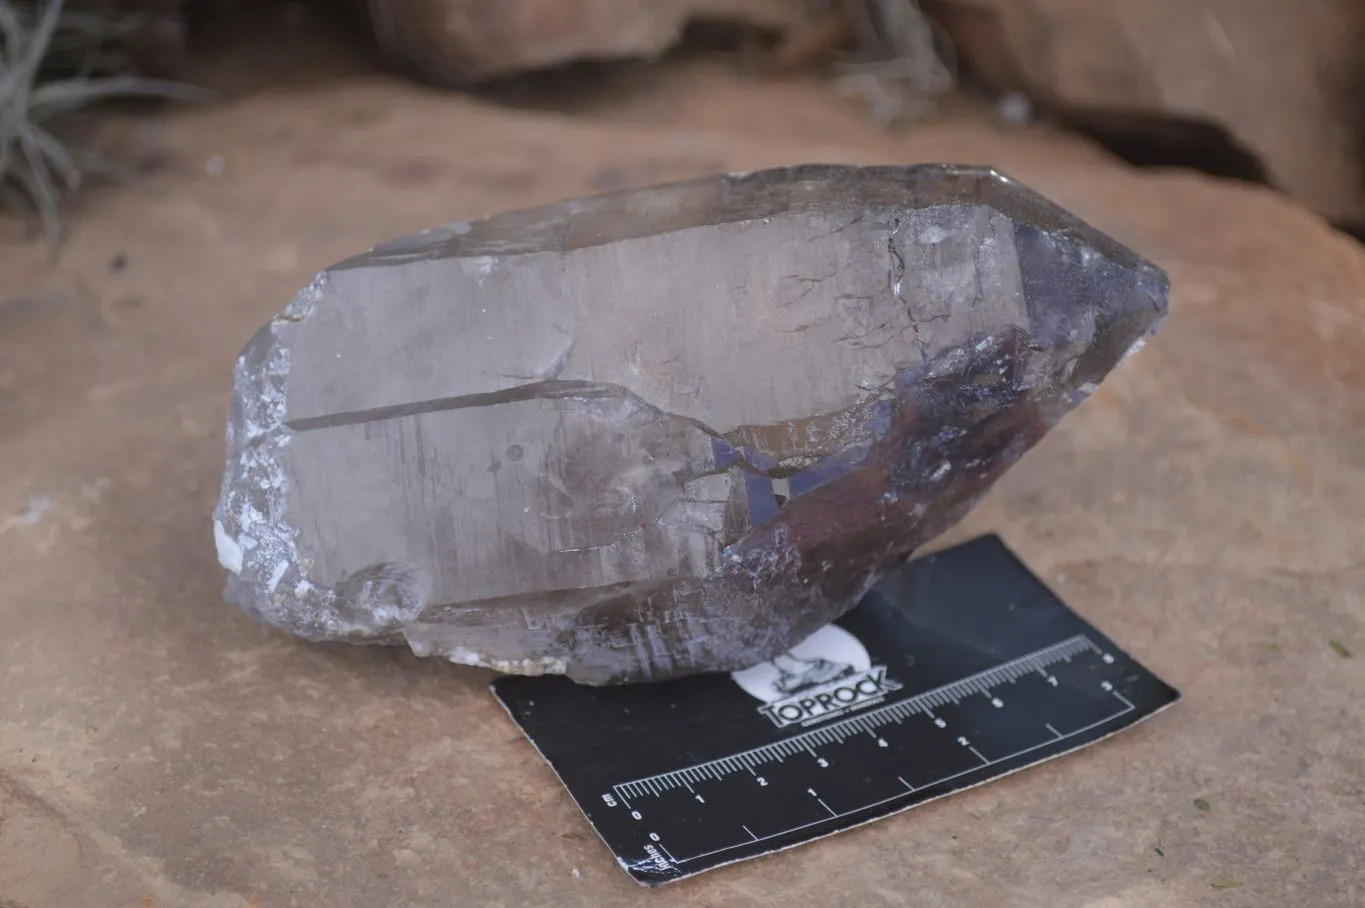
[{"x": 660, "y": 431}]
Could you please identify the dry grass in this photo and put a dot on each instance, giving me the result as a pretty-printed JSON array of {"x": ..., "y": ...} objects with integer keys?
[
  {"x": 54, "y": 62},
  {"x": 905, "y": 63}
]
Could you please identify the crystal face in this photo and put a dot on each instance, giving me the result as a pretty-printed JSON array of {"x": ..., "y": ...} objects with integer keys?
[{"x": 661, "y": 431}]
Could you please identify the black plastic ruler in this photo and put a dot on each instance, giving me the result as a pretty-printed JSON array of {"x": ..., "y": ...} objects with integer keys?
[{"x": 958, "y": 669}]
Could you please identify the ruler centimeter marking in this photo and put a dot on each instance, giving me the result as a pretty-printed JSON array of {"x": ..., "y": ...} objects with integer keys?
[
  {"x": 868, "y": 722},
  {"x": 1128, "y": 707}
]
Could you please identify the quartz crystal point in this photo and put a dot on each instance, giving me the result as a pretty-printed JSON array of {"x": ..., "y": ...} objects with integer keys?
[{"x": 661, "y": 431}]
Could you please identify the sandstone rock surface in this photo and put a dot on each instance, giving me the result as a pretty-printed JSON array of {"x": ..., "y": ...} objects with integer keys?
[
  {"x": 1282, "y": 79},
  {"x": 467, "y": 41},
  {"x": 659, "y": 431}
]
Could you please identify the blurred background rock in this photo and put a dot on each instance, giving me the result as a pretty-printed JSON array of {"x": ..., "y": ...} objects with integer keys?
[{"x": 1258, "y": 90}]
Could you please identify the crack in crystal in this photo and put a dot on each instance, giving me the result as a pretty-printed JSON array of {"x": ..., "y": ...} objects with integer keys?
[
  {"x": 896, "y": 278},
  {"x": 837, "y": 230},
  {"x": 811, "y": 283},
  {"x": 544, "y": 390}
]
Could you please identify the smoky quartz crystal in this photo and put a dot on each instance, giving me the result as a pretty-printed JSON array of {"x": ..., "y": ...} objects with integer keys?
[{"x": 661, "y": 431}]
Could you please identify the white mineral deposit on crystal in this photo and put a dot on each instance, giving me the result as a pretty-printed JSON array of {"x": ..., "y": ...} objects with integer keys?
[
  {"x": 229, "y": 552},
  {"x": 276, "y": 575}
]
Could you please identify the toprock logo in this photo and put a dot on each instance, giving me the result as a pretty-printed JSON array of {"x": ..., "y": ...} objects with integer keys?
[{"x": 826, "y": 675}]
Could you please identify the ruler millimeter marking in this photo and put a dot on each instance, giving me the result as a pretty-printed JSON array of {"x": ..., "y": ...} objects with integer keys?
[
  {"x": 901, "y": 796},
  {"x": 957, "y": 670},
  {"x": 864, "y": 723}
]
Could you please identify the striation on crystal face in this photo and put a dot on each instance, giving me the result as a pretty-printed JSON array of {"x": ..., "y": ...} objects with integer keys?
[{"x": 661, "y": 431}]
